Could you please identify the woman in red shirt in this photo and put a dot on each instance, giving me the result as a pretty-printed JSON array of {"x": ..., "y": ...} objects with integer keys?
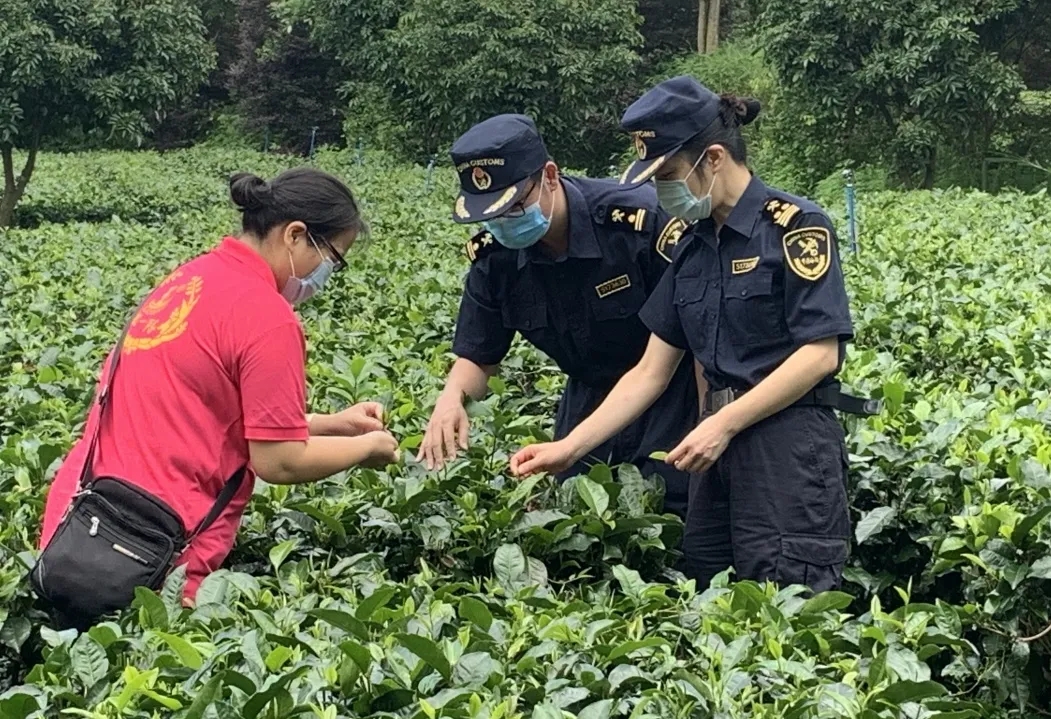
[{"x": 212, "y": 373}]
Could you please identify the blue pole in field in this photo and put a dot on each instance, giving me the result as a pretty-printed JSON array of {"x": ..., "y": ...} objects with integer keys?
[
  {"x": 313, "y": 142},
  {"x": 852, "y": 215},
  {"x": 361, "y": 153},
  {"x": 430, "y": 174}
]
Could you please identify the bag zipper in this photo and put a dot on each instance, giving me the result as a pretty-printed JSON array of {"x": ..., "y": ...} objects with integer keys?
[{"x": 94, "y": 527}]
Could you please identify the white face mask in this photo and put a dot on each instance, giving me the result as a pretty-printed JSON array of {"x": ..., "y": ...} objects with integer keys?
[{"x": 297, "y": 289}]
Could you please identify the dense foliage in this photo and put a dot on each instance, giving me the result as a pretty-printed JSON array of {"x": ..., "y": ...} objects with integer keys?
[
  {"x": 464, "y": 593},
  {"x": 898, "y": 81},
  {"x": 112, "y": 66}
]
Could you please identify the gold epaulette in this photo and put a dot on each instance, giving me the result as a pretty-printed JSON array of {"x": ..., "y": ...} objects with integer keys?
[
  {"x": 638, "y": 218},
  {"x": 781, "y": 211},
  {"x": 480, "y": 245}
]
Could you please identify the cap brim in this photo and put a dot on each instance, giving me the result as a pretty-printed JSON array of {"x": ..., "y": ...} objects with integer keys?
[
  {"x": 487, "y": 205},
  {"x": 641, "y": 171}
]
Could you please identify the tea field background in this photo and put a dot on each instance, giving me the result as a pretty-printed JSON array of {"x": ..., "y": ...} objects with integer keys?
[{"x": 464, "y": 593}]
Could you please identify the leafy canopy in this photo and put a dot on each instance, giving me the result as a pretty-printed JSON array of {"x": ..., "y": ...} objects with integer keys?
[
  {"x": 440, "y": 66},
  {"x": 892, "y": 80},
  {"x": 95, "y": 65}
]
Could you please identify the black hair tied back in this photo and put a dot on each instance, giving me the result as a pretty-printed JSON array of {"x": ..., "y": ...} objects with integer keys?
[
  {"x": 738, "y": 111},
  {"x": 249, "y": 192},
  {"x": 317, "y": 199}
]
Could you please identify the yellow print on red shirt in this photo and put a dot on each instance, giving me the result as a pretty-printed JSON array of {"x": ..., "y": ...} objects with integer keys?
[{"x": 165, "y": 315}]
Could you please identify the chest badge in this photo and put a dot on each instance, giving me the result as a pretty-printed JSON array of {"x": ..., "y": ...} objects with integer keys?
[
  {"x": 808, "y": 251},
  {"x": 739, "y": 267},
  {"x": 613, "y": 286}
]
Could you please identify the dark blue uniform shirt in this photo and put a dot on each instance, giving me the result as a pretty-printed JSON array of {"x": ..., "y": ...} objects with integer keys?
[
  {"x": 582, "y": 311},
  {"x": 744, "y": 300}
]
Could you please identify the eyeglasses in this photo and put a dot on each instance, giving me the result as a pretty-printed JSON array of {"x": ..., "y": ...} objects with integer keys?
[
  {"x": 338, "y": 258},
  {"x": 518, "y": 209}
]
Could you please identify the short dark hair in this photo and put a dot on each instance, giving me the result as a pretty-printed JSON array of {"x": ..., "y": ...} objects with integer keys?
[
  {"x": 319, "y": 200},
  {"x": 734, "y": 113}
]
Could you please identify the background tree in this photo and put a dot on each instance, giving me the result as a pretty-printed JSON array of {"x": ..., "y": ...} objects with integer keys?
[
  {"x": 891, "y": 81},
  {"x": 280, "y": 82},
  {"x": 108, "y": 65},
  {"x": 443, "y": 65}
]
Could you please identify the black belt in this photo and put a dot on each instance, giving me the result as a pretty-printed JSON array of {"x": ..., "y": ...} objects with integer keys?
[{"x": 827, "y": 396}]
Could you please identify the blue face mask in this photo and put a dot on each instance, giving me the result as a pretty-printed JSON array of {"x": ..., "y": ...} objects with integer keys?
[
  {"x": 301, "y": 289},
  {"x": 676, "y": 197},
  {"x": 525, "y": 230}
]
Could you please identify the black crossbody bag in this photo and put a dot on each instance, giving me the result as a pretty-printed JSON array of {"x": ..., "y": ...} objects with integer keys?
[{"x": 113, "y": 537}]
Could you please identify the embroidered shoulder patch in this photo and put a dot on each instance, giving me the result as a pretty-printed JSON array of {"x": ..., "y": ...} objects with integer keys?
[
  {"x": 637, "y": 218},
  {"x": 781, "y": 211},
  {"x": 480, "y": 245},
  {"x": 808, "y": 251},
  {"x": 669, "y": 237}
]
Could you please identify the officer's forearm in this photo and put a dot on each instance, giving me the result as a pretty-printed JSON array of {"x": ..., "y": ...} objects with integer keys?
[
  {"x": 796, "y": 376},
  {"x": 470, "y": 378},
  {"x": 636, "y": 391}
]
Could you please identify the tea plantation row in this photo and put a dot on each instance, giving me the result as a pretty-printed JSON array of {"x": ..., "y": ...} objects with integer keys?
[{"x": 464, "y": 593}]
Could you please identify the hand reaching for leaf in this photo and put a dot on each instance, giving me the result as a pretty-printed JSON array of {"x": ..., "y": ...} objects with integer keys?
[
  {"x": 356, "y": 420},
  {"x": 447, "y": 431},
  {"x": 551, "y": 457}
]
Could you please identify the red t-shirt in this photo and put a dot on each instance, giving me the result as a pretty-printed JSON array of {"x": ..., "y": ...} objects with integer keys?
[{"x": 214, "y": 358}]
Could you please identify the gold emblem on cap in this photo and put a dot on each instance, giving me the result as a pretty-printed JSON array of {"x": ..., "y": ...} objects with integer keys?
[
  {"x": 461, "y": 209},
  {"x": 640, "y": 146},
  {"x": 481, "y": 179},
  {"x": 505, "y": 198}
]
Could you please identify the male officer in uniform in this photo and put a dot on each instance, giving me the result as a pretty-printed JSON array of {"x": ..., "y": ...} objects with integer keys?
[{"x": 567, "y": 262}]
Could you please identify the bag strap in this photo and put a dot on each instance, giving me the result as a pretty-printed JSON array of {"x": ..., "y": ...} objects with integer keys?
[
  {"x": 226, "y": 494},
  {"x": 102, "y": 398}
]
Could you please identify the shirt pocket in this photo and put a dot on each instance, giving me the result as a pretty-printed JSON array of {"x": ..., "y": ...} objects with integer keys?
[
  {"x": 693, "y": 303},
  {"x": 525, "y": 317},
  {"x": 754, "y": 312}
]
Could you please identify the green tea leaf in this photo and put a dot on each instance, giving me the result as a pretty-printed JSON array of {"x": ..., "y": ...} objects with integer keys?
[
  {"x": 594, "y": 496},
  {"x": 187, "y": 653},
  {"x": 428, "y": 651},
  {"x": 280, "y": 553},
  {"x": 343, "y": 620},
  {"x": 474, "y": 669},
  {"x": 153, "y": 609},
  {"x": 476, "y": 612},
  {"x": 377, "y": 599},
  {"x": 510, "y": 567},
  {"x": 874, "y": 522},
  {"x": 89, "y": 660},
  {"x": 15, "y": 632},
  {"x": 599, "y": 710},
  {"x": 827, "y": 601},
  {"x": 908, "y": 691},
  {"x": 205, "y": 697},
  {"x": 626, "y": 648}
]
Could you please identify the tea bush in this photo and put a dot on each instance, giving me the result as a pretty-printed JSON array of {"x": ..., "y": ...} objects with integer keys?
[{"x": 465, "y": 593}]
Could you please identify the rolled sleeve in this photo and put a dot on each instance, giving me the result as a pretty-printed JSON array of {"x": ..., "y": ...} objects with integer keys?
[{"x": 817, "y": 309}]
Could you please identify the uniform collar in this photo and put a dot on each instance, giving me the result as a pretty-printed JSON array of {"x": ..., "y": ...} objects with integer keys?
[
  {"x": 743, "y": 216},
  {"x": 244, "y": 255},
  {"x": 583, "y": 245}
]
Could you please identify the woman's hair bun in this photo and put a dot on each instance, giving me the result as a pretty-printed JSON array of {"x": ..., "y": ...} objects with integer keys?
[
  {"x": 249, "y": 192},
  {"x": 740, "y": 110}
]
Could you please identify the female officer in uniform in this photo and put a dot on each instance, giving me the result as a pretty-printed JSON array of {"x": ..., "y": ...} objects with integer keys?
[
  {"x": 566, "y": 262},
  {"x": 212, "y": 371},
  {"x": 756, "y": 294}
]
